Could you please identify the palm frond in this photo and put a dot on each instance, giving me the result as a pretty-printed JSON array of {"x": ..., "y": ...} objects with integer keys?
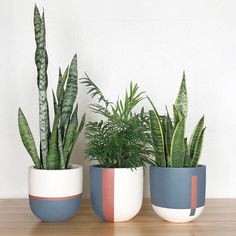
[{"x": 93, "y": 89}]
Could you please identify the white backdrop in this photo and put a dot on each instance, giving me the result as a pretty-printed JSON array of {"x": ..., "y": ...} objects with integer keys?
[{"x": 148, "y": 41}]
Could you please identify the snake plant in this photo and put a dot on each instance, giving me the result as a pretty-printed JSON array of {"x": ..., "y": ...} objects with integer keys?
[
  {"x": 171, "y": 147},
  {"x": 55, "y": 145}
]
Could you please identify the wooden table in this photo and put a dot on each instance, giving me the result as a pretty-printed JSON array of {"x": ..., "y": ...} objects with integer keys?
[{"x": 218, "y": 218}]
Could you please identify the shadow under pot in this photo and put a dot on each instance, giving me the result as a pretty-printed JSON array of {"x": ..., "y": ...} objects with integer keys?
[
  {"x": 178, "y": 194},
  {"x": 55, "y": 195},
  {"x": 116, "y": 193}
]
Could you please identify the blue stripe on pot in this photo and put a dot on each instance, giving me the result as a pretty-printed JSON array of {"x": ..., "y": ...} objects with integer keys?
[
  {"x": 95, "y": 176},
  {"x": 55, "y": 209},
  {"x": 172, "y": 187},
  {"x": 192, "y": 212}
]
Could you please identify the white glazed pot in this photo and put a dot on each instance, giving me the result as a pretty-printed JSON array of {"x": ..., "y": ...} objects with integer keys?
[
  {"x": 55, "y": 195},
  {"x": 116, "y": 193}
]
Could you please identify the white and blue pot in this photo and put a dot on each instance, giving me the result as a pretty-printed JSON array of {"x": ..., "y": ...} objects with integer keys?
[
  {"x": 178, "y": 194},
  {"x": 116, "y": 193},
  {"x": 55, "y": 195}
]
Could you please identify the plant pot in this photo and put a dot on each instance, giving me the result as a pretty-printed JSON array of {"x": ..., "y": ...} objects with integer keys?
[
  {"x": 116, "y": 193},
  {"x": 178, "y": 194},
  {"x": 55, "y": 195}
]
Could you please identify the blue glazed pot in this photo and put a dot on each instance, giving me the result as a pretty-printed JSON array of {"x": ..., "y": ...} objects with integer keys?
[
  {"x": 55, "y": 195},
  {"x": 178, "y": 194}
]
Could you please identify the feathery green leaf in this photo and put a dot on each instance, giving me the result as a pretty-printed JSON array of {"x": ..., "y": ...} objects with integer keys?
[{"x": 94, "y": 90}]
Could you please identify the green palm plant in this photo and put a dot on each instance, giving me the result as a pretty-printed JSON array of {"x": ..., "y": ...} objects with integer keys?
[
  {"x": 171, "y": 147},
  {"x": 57, "y": 144},
  {"x": 121, "y": 139}
]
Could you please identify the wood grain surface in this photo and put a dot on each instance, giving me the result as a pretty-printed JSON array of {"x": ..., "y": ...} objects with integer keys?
[{"x": 218, "y": 218}]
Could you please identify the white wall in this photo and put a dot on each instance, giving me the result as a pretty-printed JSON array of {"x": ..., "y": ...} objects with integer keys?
[{"x": 148, "y": 41}]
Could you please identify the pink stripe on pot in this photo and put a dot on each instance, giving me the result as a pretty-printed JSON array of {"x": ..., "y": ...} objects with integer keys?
[
  {"x": 108, "y": 193},
  {"x": 194, "y": 192},
  {"x": 55, "y": 198}
]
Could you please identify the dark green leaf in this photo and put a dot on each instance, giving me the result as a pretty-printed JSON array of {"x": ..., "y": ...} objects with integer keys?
[
  {"x": 73, "y": 124},
  {"x": 53, "y": 158},
  {"x": 70, "y": 95},
  {"x": 181, "y": 102},
  {"x": 158, "y": 138},
  {"x": 76, "y": 136},
  {"x": 197, "y": 150},
  {"x": 27, "y": 138},
  {"x": 196, "y": 133},
  {"x": 177, "y": 151},
  {"x": 187, "y": 159}
]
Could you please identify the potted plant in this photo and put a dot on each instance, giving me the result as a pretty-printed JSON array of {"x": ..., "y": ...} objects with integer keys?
[
  {"x": 55, "y": 185},
  {"x": 177, "y": 181},
  {"x": 119, "y": 143}
]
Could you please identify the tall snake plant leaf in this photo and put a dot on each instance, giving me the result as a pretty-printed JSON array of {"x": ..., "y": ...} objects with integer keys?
[
  {"x": 40, "y": 39},
  {"x": 60, "y": 85},
  {"x": 81, "y": 126},
  {"x": 27, "y": 138},
  {"x": 193, "y": 140},
  {"x": 181, "y": 102},
  {"x": 37, "y": 32},
  {"x": 177, "y": 151},
  {"x": 70, "y": 95},
  {"x": 72, "y": 127},
  {"x": 41, "y": 61},
  {"x": 187, "y": 159},
  {"x": 53, "y": 158},
  {"x": 197, "y": 150},
  {"x": 60, "y": 148},
  {"x": 43, "y": 111},
  {"x": 158, "y": 138}
]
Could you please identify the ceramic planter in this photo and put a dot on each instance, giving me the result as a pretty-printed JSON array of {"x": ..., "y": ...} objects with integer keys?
[
  {"x": 178, "y": 194},
  {"x": 55, "y": 195},
  {"x": 116, "y": 193}
]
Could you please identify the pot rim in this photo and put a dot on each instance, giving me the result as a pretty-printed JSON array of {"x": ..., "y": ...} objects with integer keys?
[
  {"x": 116, "y": 168},
  {"x": 179, "y": 168},
  {"x": 72, "y": 167}
]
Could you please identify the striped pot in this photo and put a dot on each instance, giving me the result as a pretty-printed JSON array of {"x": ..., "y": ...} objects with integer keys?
[
  {"x": 178, "y": 194},
  {"x": 116, "y": 193},
  {"x": 55, "y": 195}
]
